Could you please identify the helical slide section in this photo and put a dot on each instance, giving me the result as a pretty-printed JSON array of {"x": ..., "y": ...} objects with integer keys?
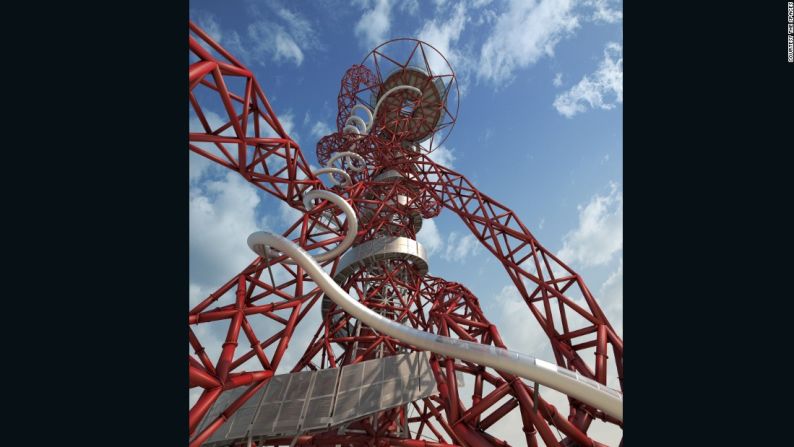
[{"x": 263, "y": 248}]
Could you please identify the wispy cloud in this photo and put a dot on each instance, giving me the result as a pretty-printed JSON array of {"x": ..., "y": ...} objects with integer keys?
[
  {"x": 557, "y": 80},
  {"x": 429, "y": 237},
  {"x": 234, "y": 44},
  {"x": 600, "y": 232},
  {"x": 298, "y": 25},
  {"x": 603, "y": 12},
  {"x": 320, "y": 129},
  {"x": 222, "y": 214},
  {"x": 375, "y": 24},
  {"x": 277, "y": 41},
  {"x": 480, "y": 3},
  {"x": 597, "y": 90},
  {"x": 443, "y": 35},
  {"x": 409, "y": 6},
  {"x": 230, "y": 40},
  {"x": 280, "y": 35},
  {"x": 522, "y": 34},
  {"x": 287, "y": 120},
  {"x": 443, "y": 156},
  {"x": 208, "y": 22},
  {"x": 287, "y": 38},
  {"x": 287, "y": 214},
  {"x": 459, "y": 248},
  {"x": 518, "y": 328}
]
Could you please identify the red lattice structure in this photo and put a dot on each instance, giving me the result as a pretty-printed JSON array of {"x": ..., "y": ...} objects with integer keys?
[{"x": 411, "y": 93}]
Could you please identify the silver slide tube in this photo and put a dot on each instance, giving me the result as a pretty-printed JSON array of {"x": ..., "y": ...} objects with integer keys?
[
  {"x": 349, "y": 155},
  {"x": 385, "y": 95},
  {"x": 258, "y": 241},
  {"x": 330, "y": 169},
  {"x": 567, "y": 382}
]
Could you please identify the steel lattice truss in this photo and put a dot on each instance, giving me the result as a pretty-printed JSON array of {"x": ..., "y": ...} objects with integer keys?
[{"x": 400, "y": 186}]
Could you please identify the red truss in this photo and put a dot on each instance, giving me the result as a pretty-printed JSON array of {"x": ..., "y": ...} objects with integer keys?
[
  {"x": 249, "y": 139},
  {"x": 267, "y": 301},
  {"x": 357, "y": 79}
]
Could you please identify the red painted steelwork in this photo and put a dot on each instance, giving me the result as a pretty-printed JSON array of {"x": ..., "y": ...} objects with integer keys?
[{"x": 400, "y": 185}]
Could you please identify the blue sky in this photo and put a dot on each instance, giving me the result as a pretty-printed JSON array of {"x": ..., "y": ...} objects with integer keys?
[{"x": 539, "y": 129}]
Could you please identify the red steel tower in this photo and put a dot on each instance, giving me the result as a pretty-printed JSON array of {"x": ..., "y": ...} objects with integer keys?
[{"x": 354, "y": 384}]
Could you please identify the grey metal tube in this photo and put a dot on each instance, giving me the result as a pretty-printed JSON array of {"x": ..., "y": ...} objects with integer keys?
[
  {"x": 349, "y": 155},
  {"x": 331, "y": 170},
  {"x": 353, "y": 120},
  {"x": 260, "y": 246},
  {"x": 366, "y": 110},
  {"x": 385, "y": 95}
]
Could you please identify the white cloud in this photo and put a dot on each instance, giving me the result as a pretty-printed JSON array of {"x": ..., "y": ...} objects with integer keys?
[
  {"x": 298, "y": 26},
  {"x": 280, "y": 34},
  {"x": 270, "y": 38},
  {"x": 557, "y": 80},
  {"x": 486, "y": 16},
  {"x": 429, "y": 237},
  {"x": 234, "y": 45},
  {"x": 542, "y": 222},
  {"x": 592, "y": 89},
  {"x": 287, "y": 49},
  {"x": 287, "y": 120},
  {"x": 442, "y": 36},
  {"x": 320, "y": 129},
  {"x": 409, "y": 6},
  {"x": 443, "y": 156},
  {"x": 375, "y": 24},
  {"x": 460, "y": 247},
  {"x": 600, "y": 232},
  {"x": 524, "y": 33},
  {"x": 287, "y": 214},
  {"x": 197, "y": 166},
  {"x": 603, "y": 12},
  {"x": 519, "y": 329},
  {"x": 207, "y": 21},
  {"x": 222, "y": 213}
]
